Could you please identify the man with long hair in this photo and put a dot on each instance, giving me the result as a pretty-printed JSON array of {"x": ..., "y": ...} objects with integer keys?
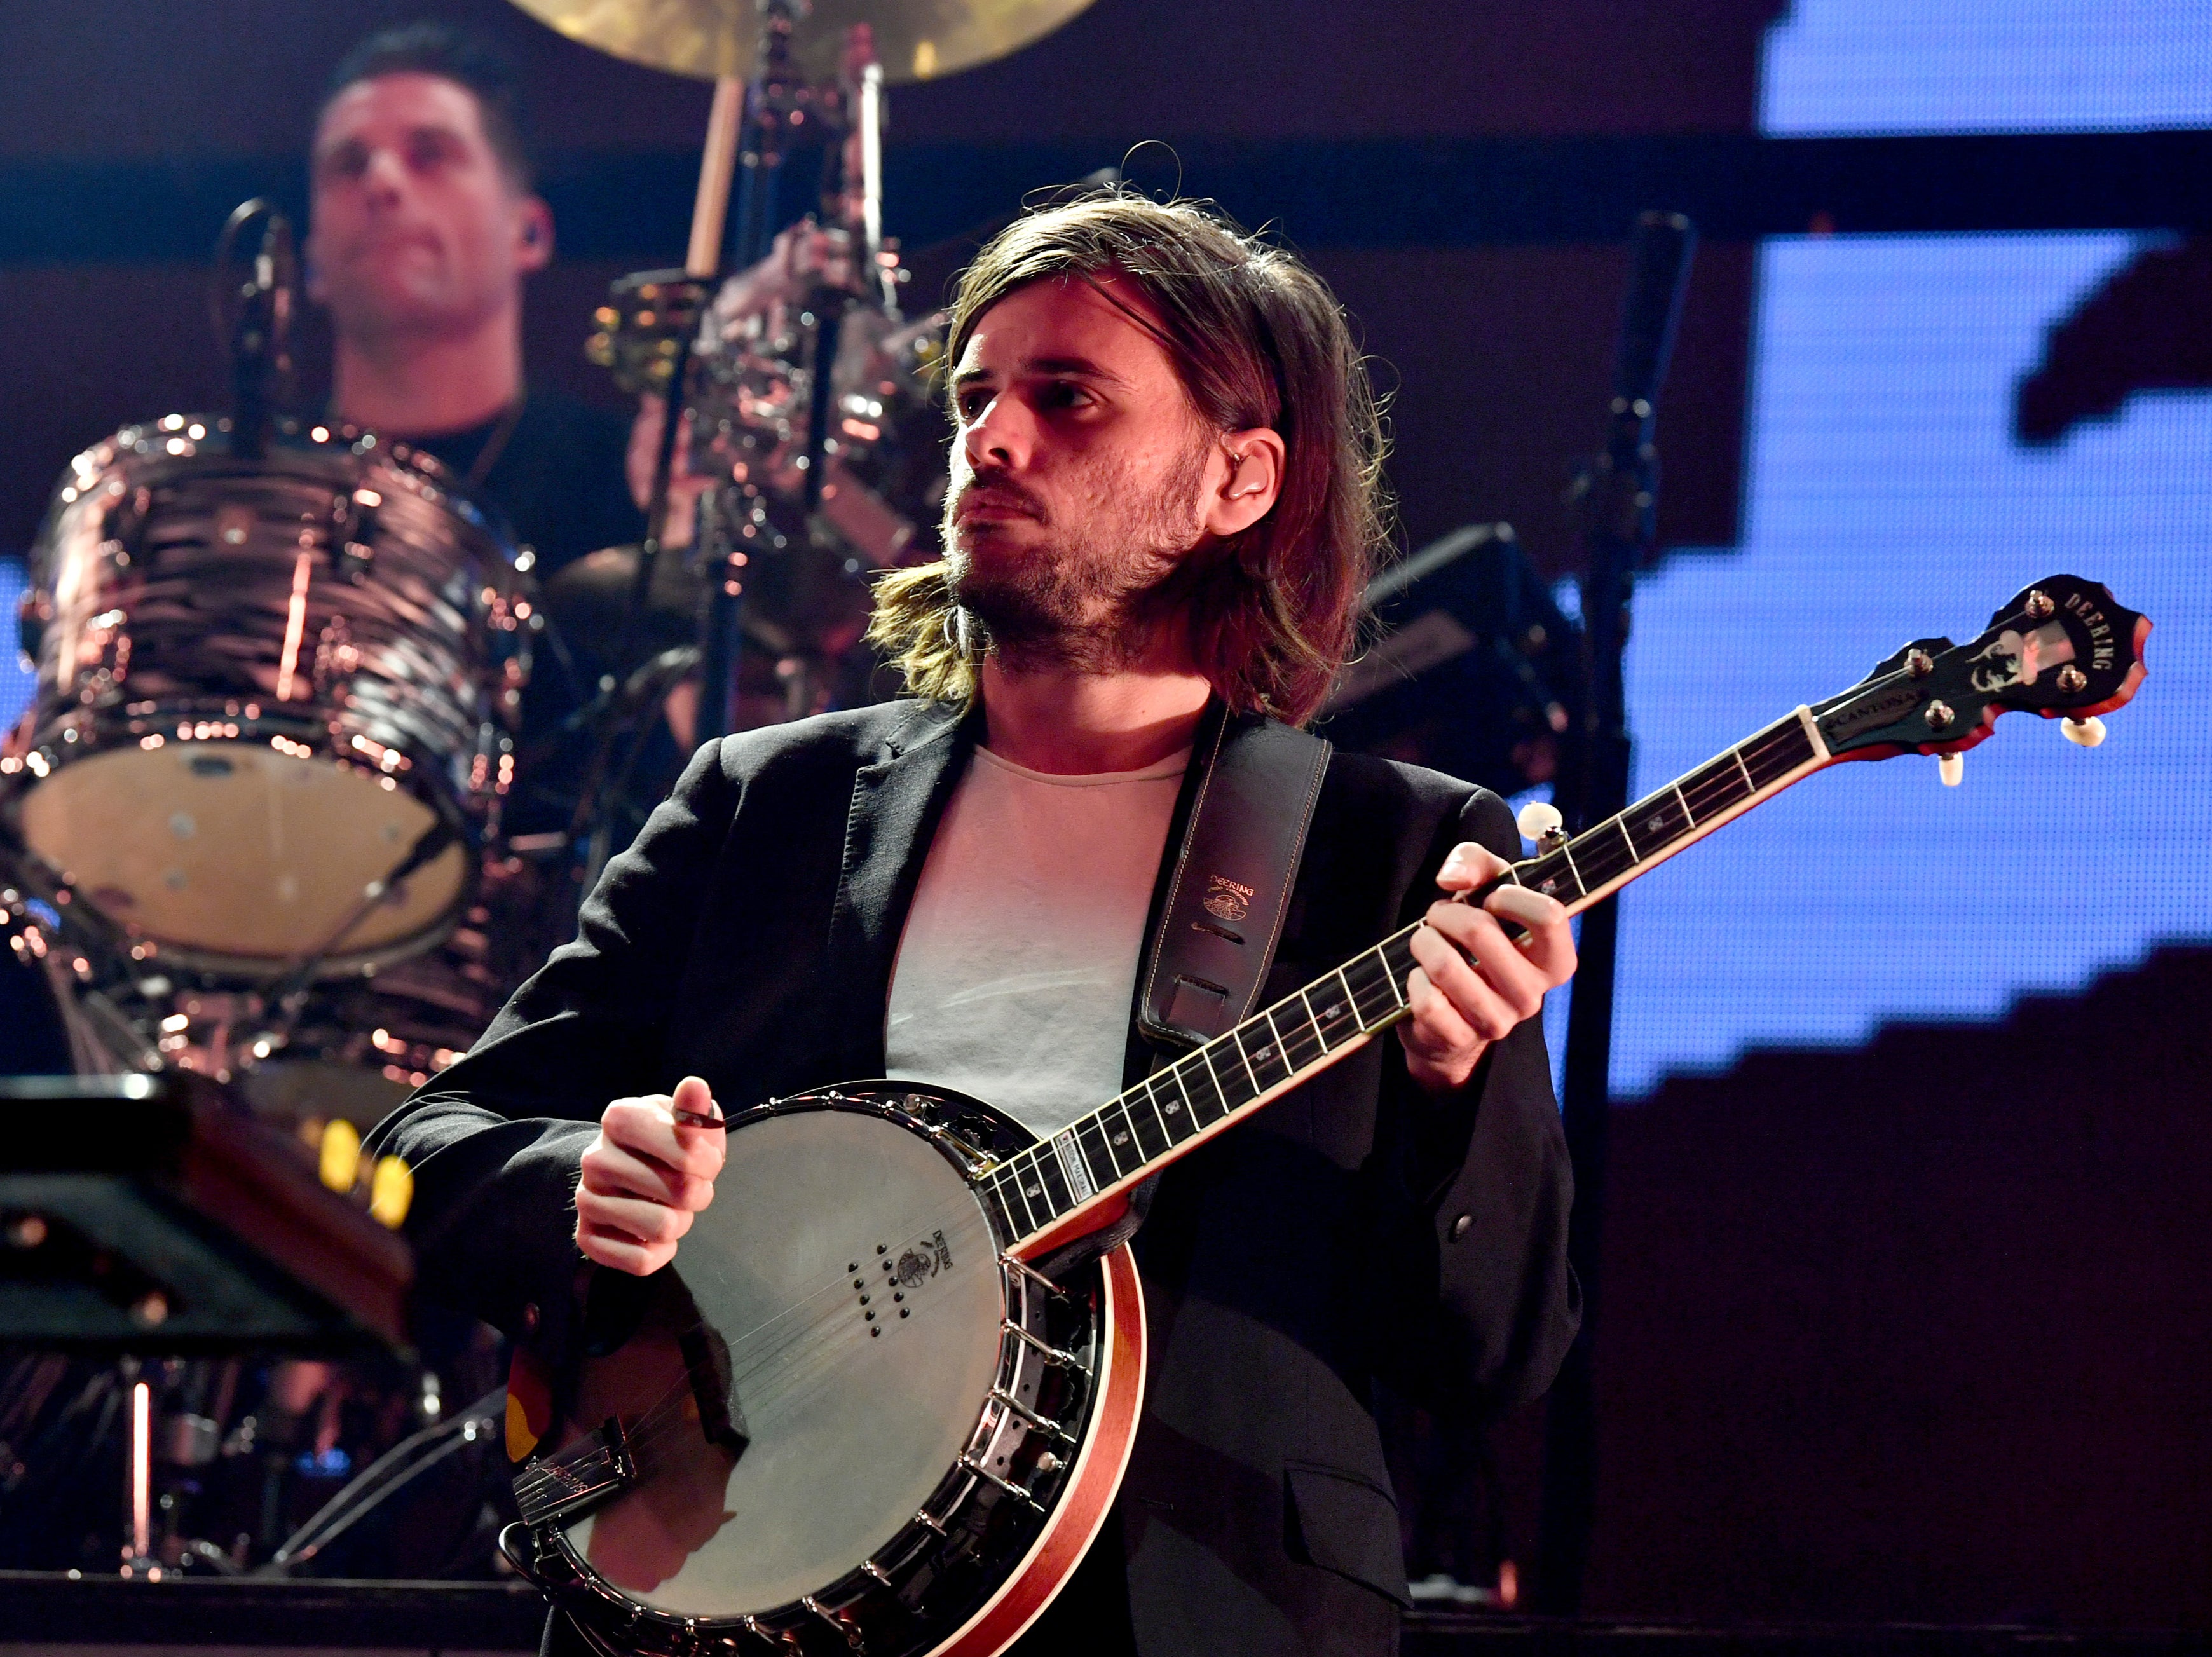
[{"x": 1165, "y": 508}]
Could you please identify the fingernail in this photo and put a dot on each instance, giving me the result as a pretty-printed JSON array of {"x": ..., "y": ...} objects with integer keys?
[{"x": 1530, "y": 908}]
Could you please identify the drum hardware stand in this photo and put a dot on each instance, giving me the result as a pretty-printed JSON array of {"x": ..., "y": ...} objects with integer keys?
[
  {"x": 860, "y": 208},
  {"x": 638, "y": 694},
  {"x": 776, "y": 99},
  {"x": 593, "y": 821},
  {"x": 118, "y": 1038},
  {"x": 1618, "y": 496},
  {"x": 613, "y": 707},
  {"x": 856, "y": 104},
  {"x": 384, "y": 1478},
  {"x": 860, "y": 198},
  {"x": 680, "y": 295}
]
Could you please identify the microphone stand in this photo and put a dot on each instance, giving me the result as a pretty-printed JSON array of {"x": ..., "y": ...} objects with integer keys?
[
  {"x": 254, "y": 321},
  {"x": 1619, "y": 496}
]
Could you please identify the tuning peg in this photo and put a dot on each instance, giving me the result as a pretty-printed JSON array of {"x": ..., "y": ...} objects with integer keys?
[
  {"x": 1951, "y": 767},
  {"x": 1539, "y": 821},
  {"x": 2088, "y": 732}
]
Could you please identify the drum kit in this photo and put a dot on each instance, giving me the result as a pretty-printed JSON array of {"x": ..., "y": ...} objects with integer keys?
[{"x": 252, "y": 825}]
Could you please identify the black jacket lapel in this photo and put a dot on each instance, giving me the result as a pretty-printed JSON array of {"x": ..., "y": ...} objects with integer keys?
[{"x": 897, "y": 803}]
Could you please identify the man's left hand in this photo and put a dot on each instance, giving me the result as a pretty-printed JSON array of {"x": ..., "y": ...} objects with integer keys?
[{"x": 1475, "y": 981}]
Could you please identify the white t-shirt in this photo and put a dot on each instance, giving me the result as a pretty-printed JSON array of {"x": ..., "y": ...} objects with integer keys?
[{"x": 1018, "y": 962}]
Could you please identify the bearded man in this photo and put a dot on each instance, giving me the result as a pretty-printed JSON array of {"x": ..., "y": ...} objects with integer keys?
[{"x": 1163, "y": 511}]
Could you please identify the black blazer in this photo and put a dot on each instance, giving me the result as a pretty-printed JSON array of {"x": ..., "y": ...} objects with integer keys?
[{"x": 1356, "y": 1229}]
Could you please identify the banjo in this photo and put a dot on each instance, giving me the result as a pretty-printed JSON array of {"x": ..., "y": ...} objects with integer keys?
[{"x": 852, "y": 1415}]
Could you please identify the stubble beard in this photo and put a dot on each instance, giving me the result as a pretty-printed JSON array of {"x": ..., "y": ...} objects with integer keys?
[
  {"x": 1090, "y": 596},
  {"x": 413, "y": 301}
]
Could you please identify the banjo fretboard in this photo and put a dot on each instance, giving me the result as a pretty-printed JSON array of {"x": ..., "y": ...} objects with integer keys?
[{"x": 1040, "y": 1190}]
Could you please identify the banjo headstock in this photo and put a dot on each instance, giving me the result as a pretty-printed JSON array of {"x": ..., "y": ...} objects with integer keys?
[{"x": 2061, "y": 648}]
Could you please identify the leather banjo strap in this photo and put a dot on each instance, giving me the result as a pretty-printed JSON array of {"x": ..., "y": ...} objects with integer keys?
[
  {"x": 1226, "y": 900},
  {"x": 1232, "y": 879}
]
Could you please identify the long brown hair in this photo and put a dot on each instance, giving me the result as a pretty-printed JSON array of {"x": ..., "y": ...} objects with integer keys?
[{"x": 1257, "y": 341}]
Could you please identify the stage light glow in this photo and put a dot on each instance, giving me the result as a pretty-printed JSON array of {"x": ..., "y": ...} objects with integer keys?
[
  {"x": 1835, "y": 67},
  {"x": 17, "y": 682}
]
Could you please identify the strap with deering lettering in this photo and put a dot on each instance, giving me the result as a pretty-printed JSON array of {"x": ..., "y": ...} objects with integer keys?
[{"x": 1231, "y": 884}]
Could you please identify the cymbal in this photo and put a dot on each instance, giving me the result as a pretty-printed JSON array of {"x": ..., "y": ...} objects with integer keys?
[
  {"x": 587, "y": 599},
  {"x": 916, "y": 40}
]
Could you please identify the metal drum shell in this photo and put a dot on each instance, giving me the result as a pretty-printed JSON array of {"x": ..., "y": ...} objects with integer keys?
[{"x": 339, "y": 608}]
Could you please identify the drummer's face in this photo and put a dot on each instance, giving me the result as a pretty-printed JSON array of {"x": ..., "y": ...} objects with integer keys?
[{"x": 417, "y": 225}]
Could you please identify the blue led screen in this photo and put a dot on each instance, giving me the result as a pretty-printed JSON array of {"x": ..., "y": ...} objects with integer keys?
[
  {"x": 1832, "y": 67},
  {"x": 15, "y": 681},
  {"x": 1889, "y": 492},
  {"x": 1885, "y": 499}
]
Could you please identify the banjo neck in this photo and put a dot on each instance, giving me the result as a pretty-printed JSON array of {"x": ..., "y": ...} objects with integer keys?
[
  {"x": 2062, "y": 649},
  {"x": 1062, "y": 1188}
]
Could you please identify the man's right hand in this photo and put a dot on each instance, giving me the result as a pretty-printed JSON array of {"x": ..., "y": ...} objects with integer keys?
[{"x": 645, "y": 1176}]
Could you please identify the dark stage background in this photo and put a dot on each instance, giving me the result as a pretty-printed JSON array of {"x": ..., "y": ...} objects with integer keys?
[{"x": 1902, "y": 1320}]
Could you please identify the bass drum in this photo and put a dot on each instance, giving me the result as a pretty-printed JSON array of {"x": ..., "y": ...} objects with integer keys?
[{"x": 264, "y": 685}]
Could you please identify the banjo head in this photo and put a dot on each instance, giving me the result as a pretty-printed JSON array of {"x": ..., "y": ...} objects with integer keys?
[{"x": 807, "y": 1372}]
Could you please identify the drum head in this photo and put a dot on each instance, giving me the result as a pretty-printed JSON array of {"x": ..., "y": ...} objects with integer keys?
[{"x": 235, "y": 849}]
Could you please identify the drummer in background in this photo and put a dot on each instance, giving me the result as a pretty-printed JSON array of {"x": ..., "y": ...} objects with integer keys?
[{"x": 423, "y": 229}]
